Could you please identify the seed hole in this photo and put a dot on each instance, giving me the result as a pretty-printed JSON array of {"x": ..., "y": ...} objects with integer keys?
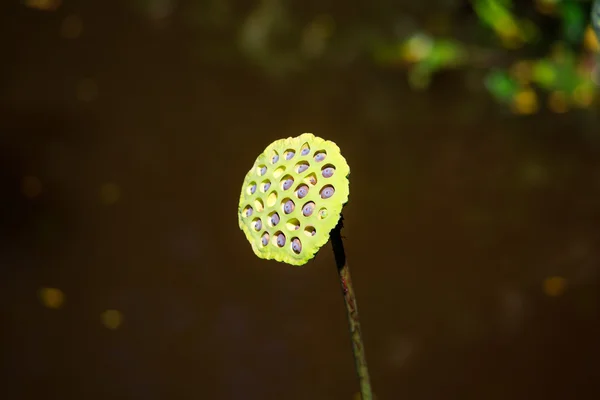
[
  {"x": 327, "y": 171},
  {"x": 289, "y": 154},
  {"x": 259, "y": 205},
  {"x": 327, "y": 191},
  {"x": 247, "y": 211},
  {"x": 265, "y": 239},
  {"x": 272, "y": 199},
  {"x": 273, "y": 218},
  {"x": 261, "y": 170},
  {"x": 323, "y": 213},
  {"x": 302, "y": 191},
  {"x": 288, "y": 206},
  {"x": 252, "y": 188},
  {"x": 305, "y": 149},
  {"x": 320, "y": 155},
  {"x": 296, "y": 245},
  {"x": 301, "y": 167},
  {"x": 274, "y": 157},
  {"x": 265, "y": 185},
  {"x": 279, "y": 171},
  {"x": 293, "y": 224},
  {"x": 310, "y": 231},
  {"x": 311, "y": 179},
  {"x": 257, "y": 223},
  {"x": 287, "y": 182},
  {"x": 279, "y": 239},
  {"x": 308, "y": 208}
]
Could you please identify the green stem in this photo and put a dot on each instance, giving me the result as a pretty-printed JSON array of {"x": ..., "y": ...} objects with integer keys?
[{"x": 352, "y": 312}]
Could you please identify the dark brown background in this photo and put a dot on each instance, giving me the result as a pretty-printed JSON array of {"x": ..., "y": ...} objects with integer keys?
[{"x": 458, "y": 213}]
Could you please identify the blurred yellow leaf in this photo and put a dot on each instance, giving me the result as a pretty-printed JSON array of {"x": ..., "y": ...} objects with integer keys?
[
  {"x": 112, "y": 319},
  {"x": 52, "y": 297},
  {"x": 554, "y": 286},
  {"x": 525, "y": 102}
]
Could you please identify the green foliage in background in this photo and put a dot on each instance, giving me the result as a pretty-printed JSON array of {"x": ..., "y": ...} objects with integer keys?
[{"x": 526, "y": 52}]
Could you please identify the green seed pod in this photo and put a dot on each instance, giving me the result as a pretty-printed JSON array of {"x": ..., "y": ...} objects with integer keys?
[{"x": 292, "y": 198}]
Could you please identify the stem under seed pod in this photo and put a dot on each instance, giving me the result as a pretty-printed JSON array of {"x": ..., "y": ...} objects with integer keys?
[{"x": 352, "y": 311}]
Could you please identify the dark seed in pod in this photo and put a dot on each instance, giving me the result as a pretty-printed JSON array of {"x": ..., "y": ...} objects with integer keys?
[
  {"x": 289, "y": 155},
  {"x": 302, "y": 191},
  {"x": 328, "y": 172},
  {"x": 302, "y": 168},
  {"x": 274, "y": 219},
  {"x": 281, "y": 240},
  {"x": 288, "y": 207},
  {"x": 248, "y": 211},
  {"x": 308, "y": 209},
  {"x": 263, "y": 170},
  {"x": 305, "y": 151},
  {"x": 287, "y": 183},
  {"x": 266, "y": 186},
  {"x": 296, "y": 245},
  {"x": 258, "y": 224},
  {"x": 320, "y": 157},
  {"x": 327, "y": 192},
  {"x": 265, "y": 239},
  {"x": 275, "y": 158}
]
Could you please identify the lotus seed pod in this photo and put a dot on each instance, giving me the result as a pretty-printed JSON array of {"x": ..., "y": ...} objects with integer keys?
[
  {"x": 291, "y": 228},
  {"x": 327, "y": 192},
  {"x": 287, "y": 183},
  {"x": 274, "y": 219},
  {"x": 288, "y": 207},
  {"x": 308, "y": 209},
  {"x": 302, "y": 166},
  {"x": 296, "y": 245},
  {"x": 252, "y": 188},
  {"x": 302, "y": 191},
  {"x": 328, "y": 172},
  {"x": 280, "y": 239},
  {"x": 265, "y": 239}
]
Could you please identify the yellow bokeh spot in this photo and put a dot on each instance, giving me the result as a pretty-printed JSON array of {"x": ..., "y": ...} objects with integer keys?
[
  {"x": 417, "y": 48},
  {"x": 52, "y": 297},
  {"x": 31, "y": 186},
  {"x": 111, "y": 319},
  {"x": 525, "y": 102},
  {"x": 583, "y": 95},
  {"x": 110, "y": 193},
  {"x": 590, "y": 40},
  {"x": 46, "y": 5},
  {"x": 557, "y": 102},
  {"x": 71, "y": 27},
  {"x": 554, "y": 286}
]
